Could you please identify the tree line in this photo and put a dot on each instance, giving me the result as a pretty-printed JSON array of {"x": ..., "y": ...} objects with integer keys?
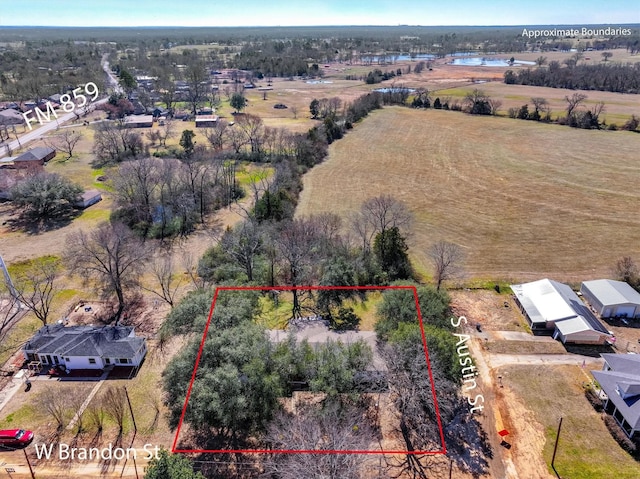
[{"x": 604, "y": 77}]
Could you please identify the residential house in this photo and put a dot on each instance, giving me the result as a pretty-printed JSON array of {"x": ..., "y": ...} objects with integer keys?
[
  {"x": 86, "y": 347},
  {"x": 620, "y": 381}
]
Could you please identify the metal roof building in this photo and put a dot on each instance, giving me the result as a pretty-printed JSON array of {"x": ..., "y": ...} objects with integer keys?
[
  {"x": 611, "y": 298},
  {"x": 620, "y": 381},
  {"x": 553, "y": 307}
]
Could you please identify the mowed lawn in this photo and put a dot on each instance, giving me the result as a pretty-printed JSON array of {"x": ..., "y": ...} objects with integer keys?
[
  {"x": 586, "y": 449},
  {"x": 524, "y": 200}
]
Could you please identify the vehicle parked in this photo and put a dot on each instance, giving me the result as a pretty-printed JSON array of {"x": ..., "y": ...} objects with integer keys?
[{"x": 15, "y": 437}]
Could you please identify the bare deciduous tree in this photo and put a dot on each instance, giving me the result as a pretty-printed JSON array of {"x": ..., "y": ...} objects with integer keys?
[
  {"x": 243, "y": 244},
  {"x": 97, "y": 416},
  {"x": 447, "y": 261},
  {"x": 297, "y": 247},
  {"x": 111, "y": 255},
  {"x": 10, "y": 314},
  {"x": 216, "y": 135},
  {"x": 378, "y": 214},
  {"x": 35, "y": 285},
  {"x": 115, "y": 405},
  {"x": 65, "y": 141},
  {"x": 573, "y": 102},
  {"x": 626, "y": 270},
  {"x": 332, "y": 427},
  {"x": 56, "y": 406},
  {"x": 167, "y": 281}
]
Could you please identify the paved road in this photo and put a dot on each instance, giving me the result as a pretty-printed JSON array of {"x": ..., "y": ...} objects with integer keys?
[
  {"x": 38, "y": 133},
  {"x": 497, "y": 360}
]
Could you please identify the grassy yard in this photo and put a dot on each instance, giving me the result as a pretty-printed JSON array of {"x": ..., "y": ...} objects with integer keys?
[
  {"x": 524, "y": 200},
  {"x": 586, "y": 449}
]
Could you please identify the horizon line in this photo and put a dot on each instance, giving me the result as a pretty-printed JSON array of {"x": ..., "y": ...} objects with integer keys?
[{"x": 321, "y": 26}]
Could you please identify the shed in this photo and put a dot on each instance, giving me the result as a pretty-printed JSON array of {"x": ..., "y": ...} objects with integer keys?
[
  {"x": 139, "y": 121},
  {"x": 39, "y": 154},
  {"x": 612, "y": 299},
  {"x": 205, "y": 121},
  {"x": 88, "y": 198}
]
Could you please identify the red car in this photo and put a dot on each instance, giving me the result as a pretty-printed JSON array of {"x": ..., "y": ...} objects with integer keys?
[{"x": 15, "y": 437}]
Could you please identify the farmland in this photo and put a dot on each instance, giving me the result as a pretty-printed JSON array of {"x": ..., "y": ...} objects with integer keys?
[{"x": 524, "y": 200}]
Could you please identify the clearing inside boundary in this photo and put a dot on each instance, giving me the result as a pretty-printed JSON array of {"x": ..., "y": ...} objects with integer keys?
[{"x": 523, "y": 199}]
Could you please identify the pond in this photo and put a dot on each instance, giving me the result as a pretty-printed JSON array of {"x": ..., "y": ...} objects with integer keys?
[
  {"x": 394, "y": 90},
  {"x": 488, "y": 62}
]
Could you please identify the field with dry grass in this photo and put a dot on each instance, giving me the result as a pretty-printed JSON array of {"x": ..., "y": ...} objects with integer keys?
[{"x": 524, "y": 200}]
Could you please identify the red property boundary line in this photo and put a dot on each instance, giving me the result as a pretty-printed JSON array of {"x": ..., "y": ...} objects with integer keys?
[{"x": 312, "y": 451}]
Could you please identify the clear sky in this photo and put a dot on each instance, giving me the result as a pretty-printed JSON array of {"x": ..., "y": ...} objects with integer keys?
[{"x": 314, "y": 12}]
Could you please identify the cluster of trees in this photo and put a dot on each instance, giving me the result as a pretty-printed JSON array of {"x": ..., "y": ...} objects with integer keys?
[
  {"x": 35, "y": 70},
  {"x": 478, "y": 102},
  {"x": 377, "y": 76},
  {"x": 402, "y": 348},
  {"x": 605, "y": 77},
  {"x": 315, "y": 250},
  {"x": 541, "y": 111},
  {"x": 164, "y": 197},
  {"x": 241, "y": 373}
]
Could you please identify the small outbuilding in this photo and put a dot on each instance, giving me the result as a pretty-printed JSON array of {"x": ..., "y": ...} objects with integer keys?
[
  {"x": 612, "y": 299},
  {"x": 206, "y": 121},
  {"x": 139, "y": 121},
  {"x": 88, "y": 198},
  {"x": 39, "y": 155}
]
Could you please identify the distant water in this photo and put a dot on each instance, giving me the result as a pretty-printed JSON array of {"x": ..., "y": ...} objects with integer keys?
[
  {"x": 488, "y": 62},
  {"x": 394, "y": 90}
]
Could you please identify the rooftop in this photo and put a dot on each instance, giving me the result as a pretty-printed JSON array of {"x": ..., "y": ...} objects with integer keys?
[
  {"x": 610, "y": 292},
  {"x": 622, "y": 384},
  {"x": 107, "y": 341}
]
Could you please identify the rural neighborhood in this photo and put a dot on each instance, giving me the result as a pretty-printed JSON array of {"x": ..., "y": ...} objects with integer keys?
[{"x": 283, "y": 244}]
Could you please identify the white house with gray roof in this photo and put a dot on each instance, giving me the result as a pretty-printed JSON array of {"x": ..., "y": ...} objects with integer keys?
[
  {"x": 86, "y": 347},
  {"x": 620, "y": 381},
  {"x": 612, "y": 299},
  {"x": 553, "y": 307}
]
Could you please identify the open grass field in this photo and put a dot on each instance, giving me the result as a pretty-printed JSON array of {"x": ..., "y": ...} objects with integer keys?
[
  {"x": 524, "y": 200},
  {"x": 586, "y": 449},
  {"x": 618, "y": 106}
]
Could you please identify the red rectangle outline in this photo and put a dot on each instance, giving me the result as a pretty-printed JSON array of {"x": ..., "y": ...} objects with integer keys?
[{"x": 304, "y": 451}]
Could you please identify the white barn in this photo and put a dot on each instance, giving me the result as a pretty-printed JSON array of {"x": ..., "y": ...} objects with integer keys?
[
  {"x": 612, "y": 299},
  {"x": 553, "y": 307}
]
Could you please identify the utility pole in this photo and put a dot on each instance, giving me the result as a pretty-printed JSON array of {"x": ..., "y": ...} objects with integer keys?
[
  {"x": 135, "y": 428},
  {"x": 555, "y": 449},
  {"x": 33, "y": 476},
  {"x": 7, "y": 279}
]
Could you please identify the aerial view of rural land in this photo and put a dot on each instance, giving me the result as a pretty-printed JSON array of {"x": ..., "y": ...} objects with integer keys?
[{"x": 320, "y": 240}]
